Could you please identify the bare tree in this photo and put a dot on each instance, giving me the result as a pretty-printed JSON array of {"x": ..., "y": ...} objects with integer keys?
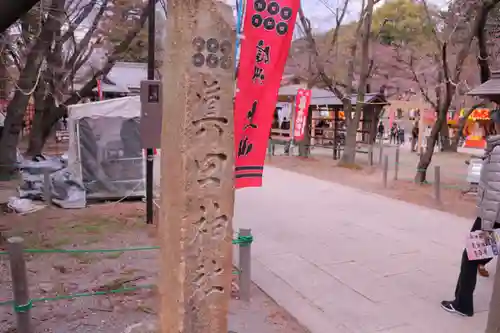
[
  {"x": 43, "y": 32},
  {"x": 348, "y": 158},
  {"x": 315, "y": 57},
  {"x": 63, "y": 60},
  {"x": 344, "y": 90},
  {"x": 55, "y": 108},
  {"x": 47, "y": 55},
  {"x": 28, "y": 80},
  {"x": 439, "y": 85}
]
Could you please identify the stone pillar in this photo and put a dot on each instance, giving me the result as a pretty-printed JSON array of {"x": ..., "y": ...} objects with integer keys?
[{"x": 197, "y": 193}]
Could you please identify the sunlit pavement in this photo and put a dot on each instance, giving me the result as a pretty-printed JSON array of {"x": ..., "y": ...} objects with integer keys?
[{"x": 344, "y": 261}]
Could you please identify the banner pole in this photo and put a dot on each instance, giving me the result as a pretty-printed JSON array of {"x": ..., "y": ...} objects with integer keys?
[
  {"x": 239, "y": 30},
  {"x": 292, "y": 135}
]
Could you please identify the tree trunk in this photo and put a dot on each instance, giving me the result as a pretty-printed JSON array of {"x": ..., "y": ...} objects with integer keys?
[
  {"x": 36, "y": 142},
  {"x": 482, "y": 58},
  {"x": 3, "y": 70},
  {"x": 445, "y": 138},
  {"x": 14, "y": 119},
  {"x": 10, "y": 134},
  {"x": 426, "y": 157},
  {"x": 349, "y": 155},
  {"x": 305, "y": 144},
  {"x": 29, "y": 78},
  {"x": 39, "y": 133},
  {"x": 50, "y": 115}
]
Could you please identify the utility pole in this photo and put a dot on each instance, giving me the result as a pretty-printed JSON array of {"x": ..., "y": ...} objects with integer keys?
[
  {"x": 151, "y": 76},
  {"x": 197, "y": 163}
]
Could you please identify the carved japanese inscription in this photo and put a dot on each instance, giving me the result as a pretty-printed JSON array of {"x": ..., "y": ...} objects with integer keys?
[
  {"x": 207, "y": 162},
  {"x": 209, "y": 169},
  {"x": 197, "y": 161},
  {"x": 209, "y": 119},
  {"x": 211, "y": 224}
]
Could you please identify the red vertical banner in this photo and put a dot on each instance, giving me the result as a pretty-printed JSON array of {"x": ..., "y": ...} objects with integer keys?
[
  {"x": 268, "y": 29},
  {"x": 302, "y": 102},
  {"x": 99, "y": 90}
]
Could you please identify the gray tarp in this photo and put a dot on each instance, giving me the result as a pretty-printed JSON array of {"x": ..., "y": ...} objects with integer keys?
[{"x": 66, "y": 191}]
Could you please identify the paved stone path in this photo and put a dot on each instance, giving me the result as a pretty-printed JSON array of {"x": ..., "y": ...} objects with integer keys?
[{"x": 344, "y": 261}]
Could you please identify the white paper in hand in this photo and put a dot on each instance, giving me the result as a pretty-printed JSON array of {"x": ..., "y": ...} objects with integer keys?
[{"x": 479, "y": 247}]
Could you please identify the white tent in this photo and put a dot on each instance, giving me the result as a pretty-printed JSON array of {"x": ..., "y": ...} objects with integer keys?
[{"x": 105, "y": 149}]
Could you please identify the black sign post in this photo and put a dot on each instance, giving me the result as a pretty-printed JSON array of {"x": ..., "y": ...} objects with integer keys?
[{"x": 151, "y": 76}]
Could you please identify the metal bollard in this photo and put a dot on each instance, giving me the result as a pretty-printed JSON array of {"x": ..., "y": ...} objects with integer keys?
[
  {"x": 437, "y": 183},
  {"x": 47, "y": 189},
  {"x": 386, "y": 170},
  {"x": 245, "y": 266},
  {"x": 381, "y": 152},
  {"x": 396, "y": 164},
  {"x": 370, "y": 155},
  {"x": 22, "y": 300}
]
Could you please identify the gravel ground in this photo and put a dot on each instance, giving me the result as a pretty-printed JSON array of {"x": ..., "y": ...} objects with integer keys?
[{"x": 106, "y": 226}]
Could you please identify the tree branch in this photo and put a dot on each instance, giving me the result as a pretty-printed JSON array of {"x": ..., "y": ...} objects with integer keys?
[
  {"x": 480, "y": 33},
  {"x": 74, "y": 24},
  {"x": 84, "y": 43},
  {"x": 122, "y": 47},
  {"x": 306, "y": 25}
]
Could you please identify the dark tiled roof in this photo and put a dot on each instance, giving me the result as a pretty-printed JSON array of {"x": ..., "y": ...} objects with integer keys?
[
  {"x": 123, "y": 77},
  {"x": 490, "y": 87},
  {"x": 326, "y": 97},
  {"x": 334, "y": 101}
]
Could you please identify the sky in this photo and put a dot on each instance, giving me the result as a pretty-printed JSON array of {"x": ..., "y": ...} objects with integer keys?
[{"x": 320, "y": 13}]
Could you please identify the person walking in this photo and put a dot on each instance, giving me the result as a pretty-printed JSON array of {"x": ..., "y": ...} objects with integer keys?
[
  {"x": 488, "y": 218},
  {"x": 285, "y": 127},
  {"x": 393, "y": 133},
  {"x": 381, "y": 131},
  {"x": 414, "y": 137},
  {"x": 401, "y": 135},
  {"x": 274, "y": 125}
]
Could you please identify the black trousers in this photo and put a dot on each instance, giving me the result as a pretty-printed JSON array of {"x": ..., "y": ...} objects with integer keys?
[{"x": 468, "y": 278}]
